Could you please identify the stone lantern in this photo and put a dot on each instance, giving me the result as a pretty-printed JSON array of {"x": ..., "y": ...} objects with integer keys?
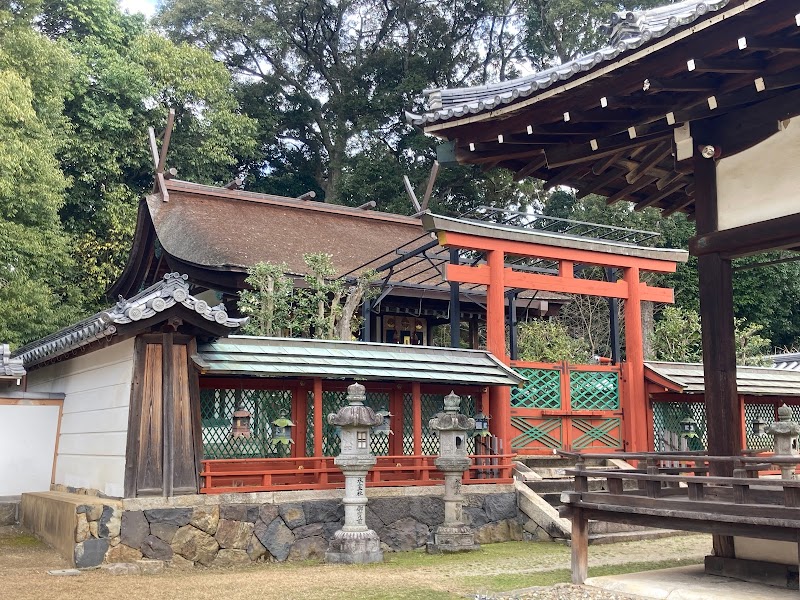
[
  {"x": 355, "y": 542},
  {"x": 452, "y": 535},
  {"x": 785, "y": 432}
]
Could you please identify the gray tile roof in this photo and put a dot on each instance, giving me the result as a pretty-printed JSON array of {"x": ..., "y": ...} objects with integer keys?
[
  {"x": 788, "y": 362},
  {"x": 10, "y": 368},
  {"x": 756, "y": 381},
  {"x": 168, "y": 292},
  {"x": 628, "y": 31},
  {"x": 330, "y": 359}
]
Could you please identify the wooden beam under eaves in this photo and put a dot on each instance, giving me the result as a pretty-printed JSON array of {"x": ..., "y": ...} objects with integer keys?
[
  {"x": 498, "y": 154},
  {"x": 650, "y": 160},
  {"x": 625, "y": 192},
  {"x": 722, "y": 65},
  {"x": 561, "y": 156},
  {"x": 565, "y": 176},
  {"x": 666, "y": 192},
  {"x": 599, "y": 183},
  {"x": 680, "y": 84},
  {"x": 531, "y": 167},
  {"x": 678, "y": 206}
]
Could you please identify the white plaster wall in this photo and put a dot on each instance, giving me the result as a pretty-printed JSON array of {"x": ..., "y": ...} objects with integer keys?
[
  {"x": 94, "y": 425},
  {"x": 762, "y": 182},
  {"x": 27, "y": 443},
  {"x": 784, "y": 553}
]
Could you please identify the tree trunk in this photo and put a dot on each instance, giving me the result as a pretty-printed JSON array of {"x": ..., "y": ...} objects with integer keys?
[{"x": 648, "y": 329}]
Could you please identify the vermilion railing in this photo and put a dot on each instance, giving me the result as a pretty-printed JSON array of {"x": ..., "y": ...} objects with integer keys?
[{"x": 222, "y": 476}]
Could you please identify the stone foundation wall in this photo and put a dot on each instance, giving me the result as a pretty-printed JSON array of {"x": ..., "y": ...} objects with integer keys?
[
  {"x": 241, "y": 528},
  {"x": 81, "y": 527}
]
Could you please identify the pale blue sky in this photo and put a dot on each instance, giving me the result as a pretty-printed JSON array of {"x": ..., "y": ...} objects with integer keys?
[{"x": 146, "y": 7}]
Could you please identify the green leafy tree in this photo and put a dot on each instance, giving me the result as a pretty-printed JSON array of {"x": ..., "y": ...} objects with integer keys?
[
  {"x": 36, "y": 272},
  {"x": 548, "y": 340},
  {"x": 678, "y": 338},
  {"x": 323, "y": 307},
  {"x": 268, "y": 302}
]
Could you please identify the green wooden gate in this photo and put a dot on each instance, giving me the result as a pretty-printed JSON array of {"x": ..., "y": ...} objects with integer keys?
[{"x": 566, "y": 407}]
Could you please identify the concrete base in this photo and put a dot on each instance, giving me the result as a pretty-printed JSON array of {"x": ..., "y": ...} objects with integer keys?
[
  {"x": 757, "y": 571},
  {"x": 452, "y": 539},
  {"x": 354, "y": 548}
]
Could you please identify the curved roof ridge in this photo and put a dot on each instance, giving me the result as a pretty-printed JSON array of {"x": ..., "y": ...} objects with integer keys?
[{"x": 628, "y": 30}]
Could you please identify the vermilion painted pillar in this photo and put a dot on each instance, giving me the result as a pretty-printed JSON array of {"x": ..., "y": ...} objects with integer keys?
[
  {"x": 416, "y": 402},
  {"x": 300, "y": 417},
  {"x": 397, "y": 420},
  {"x": 499, "y": 396},
  {"x": 635, "y": 410},
  {"x": 318, "y": 416}
]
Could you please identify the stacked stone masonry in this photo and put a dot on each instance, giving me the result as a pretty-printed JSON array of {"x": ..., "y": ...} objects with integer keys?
[{"x": 231, "y": 534}]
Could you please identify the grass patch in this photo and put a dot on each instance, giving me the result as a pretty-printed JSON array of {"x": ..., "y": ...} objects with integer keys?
[
  {"x": 19, "y": 540},
  {"x": 514, "y": 581}
]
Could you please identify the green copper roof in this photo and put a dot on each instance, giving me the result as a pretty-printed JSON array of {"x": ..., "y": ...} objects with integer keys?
[{"x": 283, "y": 357}]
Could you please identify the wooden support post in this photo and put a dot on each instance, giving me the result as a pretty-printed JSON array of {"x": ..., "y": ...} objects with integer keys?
[
  {"x": 512, "y": 326},
  {"x": 168, "y": 406},
  {"x": 613, "y": 311},
  {"x": 723, "y": 417},
  {"x": 580, "y": 547},
  {"x": 474, "y": 337},
  {"x": 318, "y": 416},
  {"x": 397, "y": 421},
  {"x": 366, "y": 320},
  {"x": 580, "y": 529},
  {"x": 455, "y": 305},
  {"x": 499, "y": 396},
  {"x": 300, "y": 417},
  {"x": 634, "y": 412},
  {"x": 416, "y": 402}
]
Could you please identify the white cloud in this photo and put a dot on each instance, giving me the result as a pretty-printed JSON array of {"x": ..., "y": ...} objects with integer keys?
[{"x": 146, "y": 7}]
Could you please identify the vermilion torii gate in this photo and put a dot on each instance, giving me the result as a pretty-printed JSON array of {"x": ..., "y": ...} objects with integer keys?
[{"x": 499, "y": 242}]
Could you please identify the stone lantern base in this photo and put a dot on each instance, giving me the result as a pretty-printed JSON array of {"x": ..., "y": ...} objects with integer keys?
[
  {"x": 458, "y": 538},
  {"x": 357, "y": 547}
]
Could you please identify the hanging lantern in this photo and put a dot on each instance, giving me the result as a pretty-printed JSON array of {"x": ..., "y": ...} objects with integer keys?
[
  {"x": 383, "y": 428},
  {"x": 281, "y": 434},
  {"x": 688, "y": 428},
  {"x": 759, "y": 426},
  {"x": 481, "y": 425},
  {"x": 241, "y": 423}
]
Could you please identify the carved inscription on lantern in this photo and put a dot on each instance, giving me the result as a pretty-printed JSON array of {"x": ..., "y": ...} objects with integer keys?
[{"x": 360, "y": 486}]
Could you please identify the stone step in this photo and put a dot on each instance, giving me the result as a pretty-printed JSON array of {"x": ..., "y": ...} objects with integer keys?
[
  {"x": 554, "y": 462},
  {"x": 550, "y": 486},
  {"x": 634, "y": 536},
  {"x": 607, "y": 527}
]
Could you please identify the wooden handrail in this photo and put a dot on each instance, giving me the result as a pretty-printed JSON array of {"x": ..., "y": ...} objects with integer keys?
[
  {"x": 683, "y": 456},
  {"x": 704, "y": 479}
]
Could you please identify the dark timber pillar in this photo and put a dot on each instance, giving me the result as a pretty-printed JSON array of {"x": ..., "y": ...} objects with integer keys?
[
  {"x": 455, "y": 306},
  {"x": 723, "y": 419},
  {"x": 366, "y": 317},
  {"x": 512, "y": 325}
]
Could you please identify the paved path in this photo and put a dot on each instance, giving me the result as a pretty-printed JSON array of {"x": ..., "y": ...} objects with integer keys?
[{"x": 688, "y": 583}]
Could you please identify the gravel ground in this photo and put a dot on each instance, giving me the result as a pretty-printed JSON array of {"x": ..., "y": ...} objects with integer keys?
[
  {"x": 560, "y": 591},
  {"x": 24, "y": 563}
]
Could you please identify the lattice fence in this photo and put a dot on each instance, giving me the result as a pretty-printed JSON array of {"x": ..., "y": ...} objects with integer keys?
[
  {"x": 594, "y": 390},
  {"x": 332, "y": 402},
  {"x": 667, "y": 417},
  {"x": 216, "y": 411},
  {"x": 767, "y": 413},
  {"x": 541, "y": 391},
  {"x": 431, "y": 405}
]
